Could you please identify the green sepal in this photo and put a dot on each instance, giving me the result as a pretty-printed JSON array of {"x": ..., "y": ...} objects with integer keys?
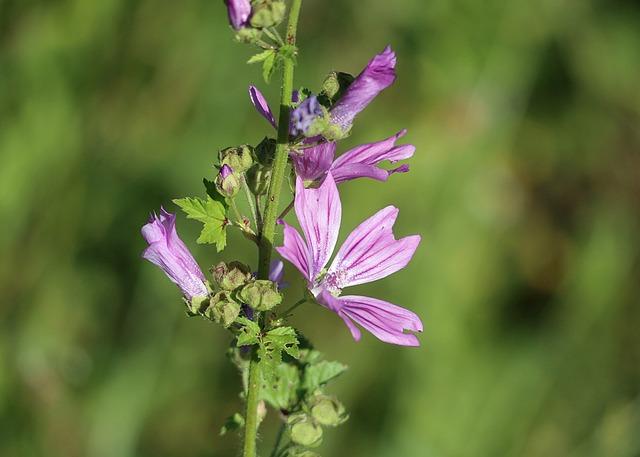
[
  {"x": 212, "y": 214},
  {"x": 268, "y": 13}
]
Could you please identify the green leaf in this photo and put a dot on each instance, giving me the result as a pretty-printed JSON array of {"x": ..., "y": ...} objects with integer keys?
[
  {"x": 268, "y": 67},
  {"x": 249, "y": 333},
  {"x": 232, "y": 423},
  {"x": 212, "y": 214},
  {"x": 277, "y": 340},
  {"x": 320, "y": 373},
  {"x": 261, "y": 56},
  {"x": 280, "y": 386}
]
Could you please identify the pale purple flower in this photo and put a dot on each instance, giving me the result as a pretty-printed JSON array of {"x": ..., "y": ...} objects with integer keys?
[
  {"x": 313, "y": 163},
  {"x": 167, "y": 251},
  {"x": 379, "y": 74},
  {"x": 239, "y": 12},
  {"x": 303, "y": 116},
  {"x": 369, "y": 253},
  {"x": 276, "y": 273}
]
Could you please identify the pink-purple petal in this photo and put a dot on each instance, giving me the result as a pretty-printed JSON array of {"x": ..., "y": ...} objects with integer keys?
[
  {"x": 167, "y": 251},
  {"x": 295, "y": 250},
  {"x": 312, "y": 163},
  {"x": 319, "y": 212},
  {"x": 261, "y": 105},
  {"x": 386, "y": 321},
  {"x": 239, "y": 12},
  {"x": 377, "y": 76},
  {"x": 371, "y": 252}
]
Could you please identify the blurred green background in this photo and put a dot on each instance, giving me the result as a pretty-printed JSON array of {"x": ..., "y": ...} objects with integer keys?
[{"x": 525, "y": 187}]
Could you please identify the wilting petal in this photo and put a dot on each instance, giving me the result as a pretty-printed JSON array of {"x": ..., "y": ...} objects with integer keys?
[
  {"x": 295, "y": 250},
  {"x": 239, "y": 12},
  {"x": 319, "y": 212},
  {"x": 377, "y": 76},
  {"x": 313, "y": 163},
  {"x": 261, "y": 105},
  {"x": 363, "y": 160},
  {"x": 386, "y": 321},
  {"x": 167, "y": 251},
  {"x": 371, "y": 252}
]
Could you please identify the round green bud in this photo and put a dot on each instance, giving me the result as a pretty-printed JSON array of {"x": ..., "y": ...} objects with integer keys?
[
  {"x": 261, "y": 295},
  {"x": 223, "y": 309},
  {"x": 228, "y": 182},
  {"x": 304, "y": 431},
  {"x": 239, "y": 158},
  {"x": 335, "y": 84},
  {"x": 328, "y": 411},
  {"x": 265, "y": 152},
  {"x": 268, "y": 13},
  {"x": 197, "y": 304},
  {"x": 248, "y": 35},
  {"x": 231, "y": 276},
  {"x": 258, "y": 179}
]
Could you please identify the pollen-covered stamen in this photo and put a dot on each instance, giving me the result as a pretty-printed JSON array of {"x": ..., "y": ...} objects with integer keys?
[{"x": 335, "y": 281}]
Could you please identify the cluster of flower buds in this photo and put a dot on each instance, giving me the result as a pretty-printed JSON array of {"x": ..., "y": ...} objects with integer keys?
[
  {"x": 250, "y": 18},
  {"x": 305, "y": 427}
]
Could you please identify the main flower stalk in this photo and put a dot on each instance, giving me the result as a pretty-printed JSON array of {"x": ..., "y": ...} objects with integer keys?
[{"x": 267, "y": 232}]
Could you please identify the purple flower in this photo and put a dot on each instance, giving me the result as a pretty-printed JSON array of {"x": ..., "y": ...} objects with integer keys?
[
  {"x": 167, "y": 251},
  {"x": 261, "y": 105},
  {"x": 276, "y": 273},
  {"x": 304, "y": 115},
  {"x": 369, "y": 253},
  {"x": 360, "y": 162},
  {"x": 377, "y": 76},
  {"x": 239, "y": 12}
]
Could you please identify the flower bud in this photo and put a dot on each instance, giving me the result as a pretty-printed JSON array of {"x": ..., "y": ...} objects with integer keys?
[
  {"x": 310, "y": 118},
  {"x": 248, "y": 35},
  {"x": 197, "y": 304},
  {"x": 304, "y": 431},
  {"x": 230, "y": 277},
  {"x": 261, "y": 295},
  {"x": 227, "y": 182},
  {"x": 266, "y": 151},
  {"x": 268, "y": 13},
  {"x": 238, "y": 158},
  {"x": 335, "y": 84},
  {"x": 258, "y": 178},
  {"x": 328, "y": 411},
  {"x": 223, "y": 309}
]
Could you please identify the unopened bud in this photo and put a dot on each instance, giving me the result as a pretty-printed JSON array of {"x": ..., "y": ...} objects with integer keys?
[
  {"x": 261, "y": 295},
  {"x": 335, "y": 84},
  {"x": 197, "y": 304},
  {"x": 248, "y": 35},
  {"x": 328, "y": 411},
  {"x": 266, "y": 151},
  {"x": 333, "y": 132},
  {"x": 223, "y": 309},
  {"x": 304, "y": 431},
  {"x": 239, "y": 158},
  {"x": 227, "y": 182},
  {"x": 268, "y": 13},
  {"x": 258, "y": 178},
  {"x": 231, "y": 276}
]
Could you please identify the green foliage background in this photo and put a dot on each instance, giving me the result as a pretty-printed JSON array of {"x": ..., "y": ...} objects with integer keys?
[{"x": 525, "y": 187}]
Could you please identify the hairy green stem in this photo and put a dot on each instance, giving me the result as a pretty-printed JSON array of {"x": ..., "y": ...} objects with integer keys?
[
  {"x": 250, "y": 200},
  {"x": 269, "y": 222},
  {"x": 282, "y": 149}
]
